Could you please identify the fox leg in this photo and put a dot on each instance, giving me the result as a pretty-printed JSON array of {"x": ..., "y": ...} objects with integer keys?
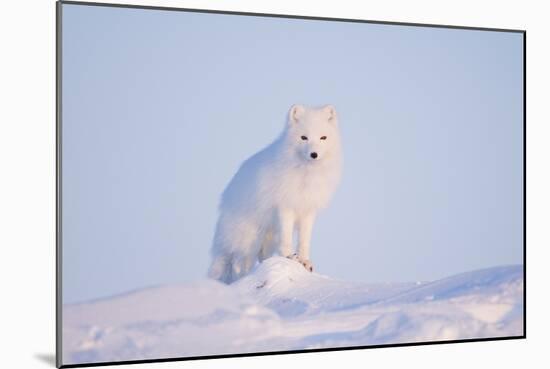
[
  {"x": 305, "y": 227},
  {"x": 241, "y": 266},
  {"x": 266, "y": 247},
  {"x": 285, "y": 230}
]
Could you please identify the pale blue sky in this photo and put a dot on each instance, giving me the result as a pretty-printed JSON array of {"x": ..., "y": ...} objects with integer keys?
[{"x": 160, "y": 108}]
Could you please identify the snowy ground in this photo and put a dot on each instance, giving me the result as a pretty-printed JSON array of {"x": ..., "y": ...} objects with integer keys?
[{"x": 280, "y": 306}]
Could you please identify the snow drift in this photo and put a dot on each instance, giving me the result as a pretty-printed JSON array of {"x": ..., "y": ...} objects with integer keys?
[{"x": 280, "y": 306}]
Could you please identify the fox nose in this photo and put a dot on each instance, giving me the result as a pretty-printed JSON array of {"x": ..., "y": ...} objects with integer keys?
[{"x": 313, "y": 155}]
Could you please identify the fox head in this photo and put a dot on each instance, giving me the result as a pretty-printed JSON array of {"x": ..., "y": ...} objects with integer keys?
[{"x": 312, "y": 133}]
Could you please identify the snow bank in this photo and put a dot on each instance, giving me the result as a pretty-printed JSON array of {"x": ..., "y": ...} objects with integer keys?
[{"x": 281, "y": 306}]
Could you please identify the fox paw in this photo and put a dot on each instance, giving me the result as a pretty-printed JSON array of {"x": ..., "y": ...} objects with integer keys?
[{"x": 306, "y": 263}]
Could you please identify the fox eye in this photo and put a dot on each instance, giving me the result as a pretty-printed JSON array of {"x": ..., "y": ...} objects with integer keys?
[
  {"x": 304, "y": 138},
  {"x": 323, "y": 137}
]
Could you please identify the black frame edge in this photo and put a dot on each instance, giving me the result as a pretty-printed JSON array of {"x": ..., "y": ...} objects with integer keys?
[
  {"x": 288, "y": 16},
  {"x": 525, "y": 184},
  {"x": 308, "y": 351},
  {"x": 58, "y": 186}
]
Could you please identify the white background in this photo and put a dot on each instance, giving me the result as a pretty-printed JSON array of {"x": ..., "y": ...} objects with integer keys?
[{"x": 27, "y": 183}]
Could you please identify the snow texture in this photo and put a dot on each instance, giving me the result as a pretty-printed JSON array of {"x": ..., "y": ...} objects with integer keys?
[{"x": 280, "y": 306}]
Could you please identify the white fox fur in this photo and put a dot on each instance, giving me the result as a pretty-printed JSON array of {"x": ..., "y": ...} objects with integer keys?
[{"x": 276, "y": 193}]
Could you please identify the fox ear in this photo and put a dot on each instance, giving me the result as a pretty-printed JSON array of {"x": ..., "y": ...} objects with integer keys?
[
  {"x": 296, "y": 112},
  {"x": 330, "y": 112}
]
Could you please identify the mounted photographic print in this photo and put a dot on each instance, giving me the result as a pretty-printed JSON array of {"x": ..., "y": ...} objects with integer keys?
[{"x": 242, "y": 184}]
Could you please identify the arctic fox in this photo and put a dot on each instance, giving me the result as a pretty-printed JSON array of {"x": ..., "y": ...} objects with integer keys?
[{"x": 276, "y": 192}]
